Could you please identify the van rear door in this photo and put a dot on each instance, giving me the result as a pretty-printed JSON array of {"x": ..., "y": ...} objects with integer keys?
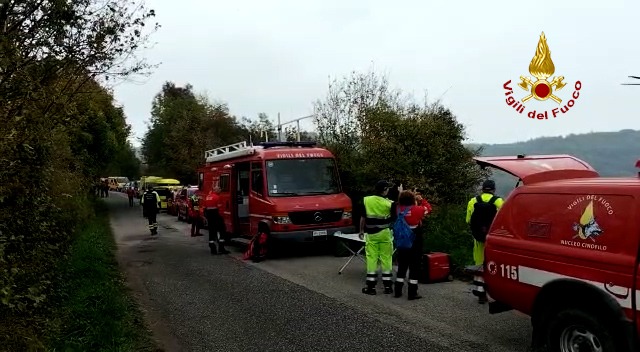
[{"x": 538, "y": 168}]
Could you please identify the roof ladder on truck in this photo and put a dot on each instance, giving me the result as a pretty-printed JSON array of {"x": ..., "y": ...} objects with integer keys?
[{"x": 230, "y": 151}]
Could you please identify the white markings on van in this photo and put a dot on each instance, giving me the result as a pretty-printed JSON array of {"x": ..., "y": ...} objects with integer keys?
[
  {"x": 596, "y": 198},
  {"x": 539, "y": 278},
  {"x": 585, "y": 245}
]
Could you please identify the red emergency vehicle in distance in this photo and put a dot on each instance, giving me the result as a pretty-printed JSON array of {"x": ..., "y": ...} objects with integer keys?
[
  {"x": 565, "y": 249},
  {"x": 290, "y": 190}
]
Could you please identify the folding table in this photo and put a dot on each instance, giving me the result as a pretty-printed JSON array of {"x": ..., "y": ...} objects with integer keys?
[{"x": 352, "y": 237}]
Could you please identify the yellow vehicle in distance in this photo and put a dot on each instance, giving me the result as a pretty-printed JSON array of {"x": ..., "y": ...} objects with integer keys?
[
  {"x": 164, "y": 187},
  {"x": 146, "y": 181}
]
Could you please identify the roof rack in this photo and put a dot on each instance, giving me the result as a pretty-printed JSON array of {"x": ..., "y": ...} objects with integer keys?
[
  {"x": 229, "y": 152},
  {"x": 307, "y": 144}
]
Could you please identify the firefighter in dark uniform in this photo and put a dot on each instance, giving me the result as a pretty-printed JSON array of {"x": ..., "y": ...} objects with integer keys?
[{"x": 150, "y": 207}]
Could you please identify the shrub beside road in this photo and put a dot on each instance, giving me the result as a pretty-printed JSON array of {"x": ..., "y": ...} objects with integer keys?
[{"x": 91, "y": 309}]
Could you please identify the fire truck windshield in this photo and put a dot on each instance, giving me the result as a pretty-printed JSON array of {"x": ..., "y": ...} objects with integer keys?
[{"x": 302, "y": 177}]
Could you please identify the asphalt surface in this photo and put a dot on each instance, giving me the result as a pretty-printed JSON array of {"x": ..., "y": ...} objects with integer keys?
[{"x": 194, "y": 301}]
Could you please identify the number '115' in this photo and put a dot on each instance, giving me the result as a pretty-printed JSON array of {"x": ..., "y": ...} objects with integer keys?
[{"x": 509, "y": 271}]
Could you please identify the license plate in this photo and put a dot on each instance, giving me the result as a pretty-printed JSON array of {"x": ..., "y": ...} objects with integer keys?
[
  {"x": 195, "y": 208},
  {"x": 319, "y": 233}
]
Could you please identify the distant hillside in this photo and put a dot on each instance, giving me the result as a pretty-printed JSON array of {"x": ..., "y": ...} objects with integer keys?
[{"x": 610, "y": 153}]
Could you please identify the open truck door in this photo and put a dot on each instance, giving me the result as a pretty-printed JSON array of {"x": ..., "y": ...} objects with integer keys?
[
  {"x": 531, "y": 169},
  {"x": 539, "y": 168}
]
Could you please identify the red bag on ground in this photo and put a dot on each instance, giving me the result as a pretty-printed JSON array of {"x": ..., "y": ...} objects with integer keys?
[{"x": 257, "y": 249}]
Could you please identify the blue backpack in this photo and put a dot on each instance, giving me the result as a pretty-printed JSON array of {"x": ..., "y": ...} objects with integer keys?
[{"x": 403, "y": 236}]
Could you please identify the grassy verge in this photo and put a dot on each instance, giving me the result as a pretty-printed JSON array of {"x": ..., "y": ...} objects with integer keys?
[
  {"x": 96, "y": 310},
  {"x": 91, "y": 310}
]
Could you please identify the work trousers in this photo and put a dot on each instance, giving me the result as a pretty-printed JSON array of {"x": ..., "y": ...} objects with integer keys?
[
  {"x": 410, "y": 259},
  {"x": 130, "y": 201},
  {"x": 217, "y": 233},
  {"x": 379, "y": 249},
  {"x": 195, "y": 226},
  {"x": 153, "y": 224},
  {"x": 478, "y": 258}
]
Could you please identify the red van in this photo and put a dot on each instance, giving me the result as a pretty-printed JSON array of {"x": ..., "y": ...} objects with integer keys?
[
  {"x": 565, "y": 249},
  {"x": 290, "y": 190},
  {"x": 184, "y": 205}
]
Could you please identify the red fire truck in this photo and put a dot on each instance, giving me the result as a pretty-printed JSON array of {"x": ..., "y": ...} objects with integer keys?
[
  {"x": 290, "y": 190},
  {"x": 565, "y": 249}
]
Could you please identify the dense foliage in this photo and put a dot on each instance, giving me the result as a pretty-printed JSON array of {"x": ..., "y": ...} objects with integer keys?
[
  {"x": 377, "y": 133},
  {"x": 60, "y": 129}
]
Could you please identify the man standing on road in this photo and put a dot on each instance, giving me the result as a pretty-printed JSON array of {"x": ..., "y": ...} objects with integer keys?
[
  {"x": 379, "y": 214},
  {"x": 214, "y": 221},
  {"x": 150, "y": 206},
  {"x": 130, "y": 193},
  {"x": 481, "y": 210}
]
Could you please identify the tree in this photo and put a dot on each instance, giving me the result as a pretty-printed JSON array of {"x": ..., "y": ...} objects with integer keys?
[
  {"x": 260, "y": 130},
  {"x": 183, "y": 125},
  {"x": 60, "y": 127},
  {"x": 291, "y": 135},
  {"x": 376, "y": 133}
]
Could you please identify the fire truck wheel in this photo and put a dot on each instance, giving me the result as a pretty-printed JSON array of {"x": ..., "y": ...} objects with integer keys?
[{"x": 574, "y": 330}]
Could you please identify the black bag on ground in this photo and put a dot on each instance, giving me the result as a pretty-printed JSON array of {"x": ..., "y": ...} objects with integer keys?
[{"x": 482, "y": 217}]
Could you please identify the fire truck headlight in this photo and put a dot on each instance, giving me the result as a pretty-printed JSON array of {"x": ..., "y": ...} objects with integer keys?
[
  {"x": 346, "y": 215},
  {"x": 281, "y": 220}
]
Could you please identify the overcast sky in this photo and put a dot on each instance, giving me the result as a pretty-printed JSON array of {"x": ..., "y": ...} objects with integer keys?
[{"x": 278, "y": 55}]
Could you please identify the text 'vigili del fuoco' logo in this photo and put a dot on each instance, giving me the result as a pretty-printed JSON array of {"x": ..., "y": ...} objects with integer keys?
[{"x": 542, "y": 88}]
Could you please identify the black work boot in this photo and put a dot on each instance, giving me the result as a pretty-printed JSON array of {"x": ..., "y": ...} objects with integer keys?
[
  {"x": 398, "y": 289},
  {"x": 388, "y": 286},
  {"x": 370, "y": 289},
  {"x": 212, "y": 248},
  {"x": 412, "y": 292}
]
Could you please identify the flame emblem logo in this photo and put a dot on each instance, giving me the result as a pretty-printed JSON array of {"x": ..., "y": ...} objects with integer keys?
[
  {"x": 588, "y": 228},
  {"x": 542, "y": 67}
]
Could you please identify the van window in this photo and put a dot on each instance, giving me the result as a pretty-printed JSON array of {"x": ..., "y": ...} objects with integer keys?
[
  {"x": 224, "y": 183},
  {"x": 299, "y": 177},
  {"x": 257, "y": 180}
]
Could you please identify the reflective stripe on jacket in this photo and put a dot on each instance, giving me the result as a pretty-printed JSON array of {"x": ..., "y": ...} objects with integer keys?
[{"x": 378, "y": 213}]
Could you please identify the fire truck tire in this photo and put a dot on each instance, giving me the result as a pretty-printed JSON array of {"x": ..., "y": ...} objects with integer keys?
[{"x": 579, "y": 330}]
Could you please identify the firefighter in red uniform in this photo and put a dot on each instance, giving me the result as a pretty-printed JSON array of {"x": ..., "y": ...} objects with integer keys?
[{"x": 214, "y": 220}]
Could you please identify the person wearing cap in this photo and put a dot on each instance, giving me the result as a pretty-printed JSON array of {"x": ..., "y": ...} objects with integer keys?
[
  {"x": 379, "y": 213},
  {"x": 477, "y": 205}
]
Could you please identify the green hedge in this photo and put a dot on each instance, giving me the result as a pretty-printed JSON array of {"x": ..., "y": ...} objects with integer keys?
[{"x": 87, "y": 306}]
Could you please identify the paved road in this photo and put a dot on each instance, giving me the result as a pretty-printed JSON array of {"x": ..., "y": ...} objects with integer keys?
[{"x": 198, "y": 302}]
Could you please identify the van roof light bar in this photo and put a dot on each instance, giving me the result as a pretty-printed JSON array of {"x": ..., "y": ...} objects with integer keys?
[
  {"x": 307, "y": 144},
  {"x": 229, "y": 152}
]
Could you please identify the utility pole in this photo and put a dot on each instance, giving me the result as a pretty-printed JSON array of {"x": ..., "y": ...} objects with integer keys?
[{"x": 297, "y": 121}]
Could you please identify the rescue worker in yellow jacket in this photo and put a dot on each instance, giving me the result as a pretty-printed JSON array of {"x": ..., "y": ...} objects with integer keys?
[
  {"x": 379, "y": 213},
  {"x": 481, "y": 210}
]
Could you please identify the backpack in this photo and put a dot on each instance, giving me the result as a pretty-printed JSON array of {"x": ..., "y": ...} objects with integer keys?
[
  {"x": 482, "y": 217},
  {"x": 403, "y": 236},
  {"x": 257, "y": 249}
]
